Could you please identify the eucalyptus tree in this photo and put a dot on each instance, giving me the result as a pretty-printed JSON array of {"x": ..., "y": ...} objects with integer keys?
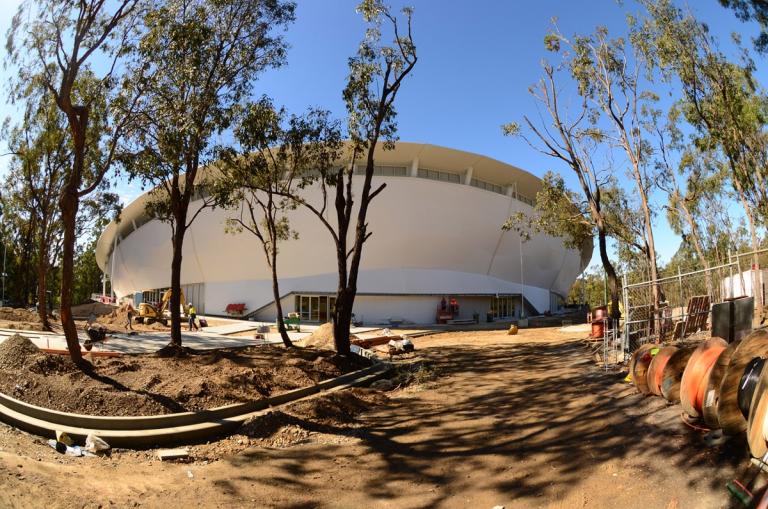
[
  {"x": 748, "y": 10},
  {"x": 570, "y": 138},
  {"x": 277, "y": 156},
  {"x": 376, "y": 74},
  {"x": 195, "y": 66},
  {"x": 720, "y": 101},
  {"x": 41, "y": 156},
  {"x": 616, "y": 81},
  {"x": 55, "y": 45}
]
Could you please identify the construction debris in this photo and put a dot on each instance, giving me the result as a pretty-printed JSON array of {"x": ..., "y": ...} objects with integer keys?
[{"x": 172, "y": 454}]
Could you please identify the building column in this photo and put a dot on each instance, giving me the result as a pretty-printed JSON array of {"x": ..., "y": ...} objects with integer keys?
[
  {"x": 415, "y": 167},
  {"x": 468, "y": 176},
  {"x": 512, "y": 190}
]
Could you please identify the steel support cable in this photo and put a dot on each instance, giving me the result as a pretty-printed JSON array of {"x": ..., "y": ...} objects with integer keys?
[{"x": 693, "y": 385}]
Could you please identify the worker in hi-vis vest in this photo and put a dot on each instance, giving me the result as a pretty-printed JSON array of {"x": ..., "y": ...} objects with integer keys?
[{"x": 192, "y": 315}]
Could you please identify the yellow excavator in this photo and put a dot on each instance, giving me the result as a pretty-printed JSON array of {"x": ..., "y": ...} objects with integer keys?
[{"x": 150, "y": 313}]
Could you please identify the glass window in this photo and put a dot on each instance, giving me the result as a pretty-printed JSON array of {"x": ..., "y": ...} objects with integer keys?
[
  {"x": 323, "y": 316},
  {"x": 305, "y": 308},
  {"x": 314, "y": 308}
]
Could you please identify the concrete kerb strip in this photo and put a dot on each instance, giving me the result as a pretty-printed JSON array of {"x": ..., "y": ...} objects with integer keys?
[{"x": 198, "y": 425}]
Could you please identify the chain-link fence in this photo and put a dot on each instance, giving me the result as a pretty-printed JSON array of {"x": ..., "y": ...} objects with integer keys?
[{"x": 675, "y": 307}]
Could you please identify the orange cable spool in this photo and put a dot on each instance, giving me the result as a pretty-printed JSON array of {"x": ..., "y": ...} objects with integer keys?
[
  {"x": 673, "y": 373},
  {"x": 656, "y": 368},
  {"x": 693, "y": 385},
  {"x": 642, "y": 363},
  {"x": 712, "y": 395}
]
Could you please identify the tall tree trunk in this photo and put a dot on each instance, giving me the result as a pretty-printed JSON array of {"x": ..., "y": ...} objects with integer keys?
[
  {"x": 175, "y": 300},
  {"x": 42, "y": 283},
  {"x": 276, "y": 294},
  {"x": 610, "y": 272},
  {"x": 69, "y": 204},
  {"x": 342, "y": 321}
]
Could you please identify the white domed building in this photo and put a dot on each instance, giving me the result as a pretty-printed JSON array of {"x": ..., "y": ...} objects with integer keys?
[{"x": 436, "y": 234}]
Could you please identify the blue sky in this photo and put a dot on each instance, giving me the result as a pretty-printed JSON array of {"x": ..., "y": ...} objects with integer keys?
[{"x": 476, "y": 62}]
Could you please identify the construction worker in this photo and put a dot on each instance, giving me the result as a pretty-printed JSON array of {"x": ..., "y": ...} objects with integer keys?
[
  {"x": 192, "y": 315},
  {"x": 129, "y": 316}
]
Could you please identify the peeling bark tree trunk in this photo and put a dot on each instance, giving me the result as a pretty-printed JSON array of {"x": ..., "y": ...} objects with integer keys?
[
  {"x": 175, "y": 300},
  {"x": 69, "y": 204},
  {"x": 610, "y": 272},
  {"x": 42, "y": 281},
  {"x": 276, "y": 294}
]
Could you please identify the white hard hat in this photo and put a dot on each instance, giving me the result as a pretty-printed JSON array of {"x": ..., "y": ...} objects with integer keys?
[{"x": 189, "y": 304}]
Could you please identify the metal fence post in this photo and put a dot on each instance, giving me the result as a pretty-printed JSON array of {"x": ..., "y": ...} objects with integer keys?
[
  {"x": 627, "y": 315},
  {"x": 680, "y": 288}
]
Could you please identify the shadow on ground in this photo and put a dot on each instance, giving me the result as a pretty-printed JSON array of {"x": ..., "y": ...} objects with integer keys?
[{"x": 528, "y": 422}]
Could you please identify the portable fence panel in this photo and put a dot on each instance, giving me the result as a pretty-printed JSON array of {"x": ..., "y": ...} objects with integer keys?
[{"x": 675, "y": 307}]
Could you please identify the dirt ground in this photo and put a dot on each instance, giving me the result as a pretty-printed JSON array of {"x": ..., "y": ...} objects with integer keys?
[
  {"x": 149, "y": 385},
  {"x": 489, "y": 419}
]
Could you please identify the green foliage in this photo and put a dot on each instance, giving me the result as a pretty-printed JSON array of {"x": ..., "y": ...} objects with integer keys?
[
  {"x": 277, "y": 156},
  {"x": 193, "y": 68},
  {"x": 748, "y": 10}
]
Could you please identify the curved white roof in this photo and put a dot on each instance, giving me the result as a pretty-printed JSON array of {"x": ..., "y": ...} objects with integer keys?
[{"x": 405, "y": 154}]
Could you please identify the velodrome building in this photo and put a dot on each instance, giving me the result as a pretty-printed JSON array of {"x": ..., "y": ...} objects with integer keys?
[{"x": 436, "y": 234}]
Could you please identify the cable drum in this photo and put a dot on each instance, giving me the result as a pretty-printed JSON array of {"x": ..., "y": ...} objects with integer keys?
[
  {"x": 693, "y": 384},
  {"x": 758, "y": 409},
  {"x": 638, "y": 366},
  {"x": 712, "y": 394},
  {"x": 731, "y": 420},
  {"x": 656, "y": 368},
  {"x": 673, "y": 373},
  {"x": 748, "y": 384}
]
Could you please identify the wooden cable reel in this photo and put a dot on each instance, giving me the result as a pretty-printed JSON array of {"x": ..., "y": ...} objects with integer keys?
[
  {"x": 673, "y": 373},
  {"x": 640, "y": 369},
  {"x": 633, "y": 360},
  {"x": 656, "y": 368},
  {"x": 712, "y": 396},
  {"x": 729, "y": 415},
  {"x": 756, "y": 423},
  {"x": 693, "y": 384}
]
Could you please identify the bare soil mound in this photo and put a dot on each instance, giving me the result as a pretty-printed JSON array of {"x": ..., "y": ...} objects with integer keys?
[
  {"x": 19, "y": 319},
  {"x": 18, "y": 315},
  {"x": 322, "y": 337},
  {"x": 149, "y": 385},
  {"x": 118, "y": 319},
  {"x": 93, "y": 308},
  {"x": 16, "y": 352},
  {"x": 296, "y": 422}
]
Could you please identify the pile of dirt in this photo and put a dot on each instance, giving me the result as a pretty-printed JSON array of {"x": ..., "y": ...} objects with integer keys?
[
  {"x": 93, "y": 308},
  {"x": 18, "y": 315},
  {"x": 322, "y": 337},
  {"x": 19, "y": 319},
  {"x": 16, "y": 352},
  {"x": 150, "y": 385},
  {"x": 118, "y": 318},
  {"x": 297, "y": 422}
]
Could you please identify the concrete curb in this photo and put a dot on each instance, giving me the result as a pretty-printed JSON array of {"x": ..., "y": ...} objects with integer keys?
[{"x": 161, "y": 430}]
